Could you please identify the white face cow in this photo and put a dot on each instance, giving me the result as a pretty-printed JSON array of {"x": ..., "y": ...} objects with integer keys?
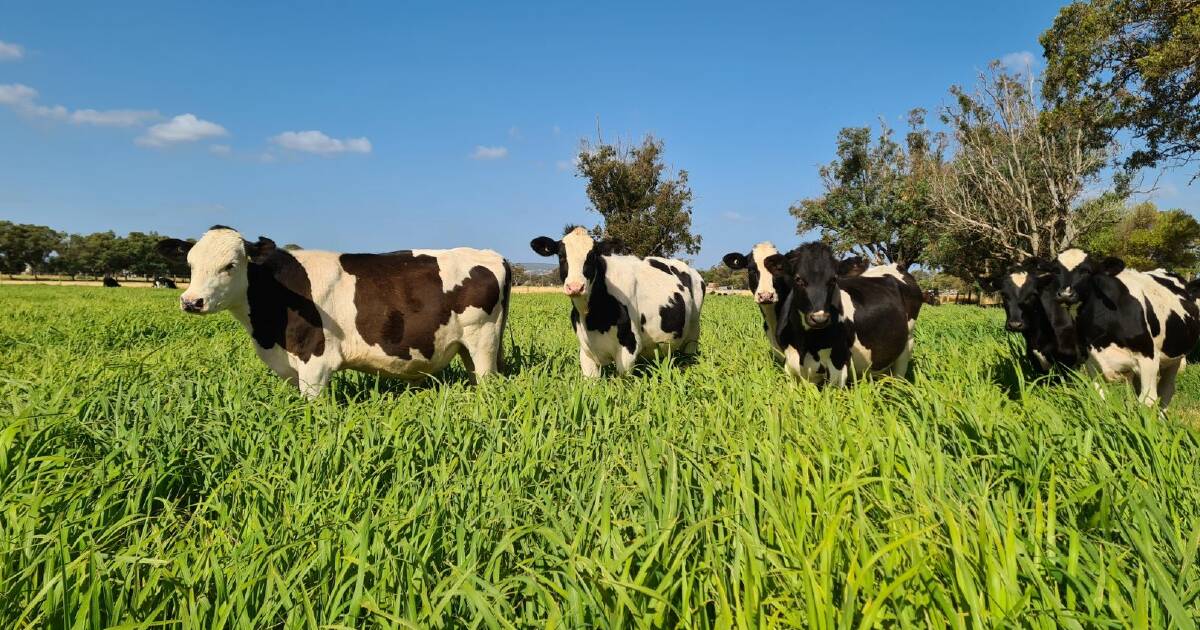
[
  {"x": 760, "y": 281},
  {"x": 219, "y": 262},
  {"x": 578, "y": 258}
]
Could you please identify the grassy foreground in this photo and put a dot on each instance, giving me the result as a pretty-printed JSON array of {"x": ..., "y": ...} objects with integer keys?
[{"x": 153, "y": 472}]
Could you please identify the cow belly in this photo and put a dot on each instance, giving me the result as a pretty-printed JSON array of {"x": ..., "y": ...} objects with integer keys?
[
  {"x": 1113, "y": 362},
  {"x": 604, "y": 347},
  {"x": 447, "y": 340}
]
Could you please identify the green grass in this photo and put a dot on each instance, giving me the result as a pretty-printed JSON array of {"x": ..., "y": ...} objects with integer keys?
[{"x": 153, "y": 472}]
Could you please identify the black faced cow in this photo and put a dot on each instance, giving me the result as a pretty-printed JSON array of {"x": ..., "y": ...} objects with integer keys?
[
  {"x": 1033, "y": 309},
  {"x": 1135, "y": 326},
  {"x": 111, "y": 282},
  {"x": 768, "y": 291},
  {"x": 840, "y": 322},
  {"x": 163, "y": 282},
  {"x": 405, "y": 314},
  {"x": 625, "y": 307}
]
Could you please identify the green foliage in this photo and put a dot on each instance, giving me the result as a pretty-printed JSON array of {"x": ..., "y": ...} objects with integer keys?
[
  {"x": 153, "y": 472},
  {"x": 1130, "y": 65},
  {"x": 651, "y": 214},
  {"x": 721, "y": 276},
  {"x": 23, "y": 245},
  {"x": 1148, "y": 238},
  {"x": 523, "y": 278},
  {"x": 876, "y": 198}
]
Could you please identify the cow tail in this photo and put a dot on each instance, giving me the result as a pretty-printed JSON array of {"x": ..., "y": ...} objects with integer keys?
[{"x": 505, "y": 303}]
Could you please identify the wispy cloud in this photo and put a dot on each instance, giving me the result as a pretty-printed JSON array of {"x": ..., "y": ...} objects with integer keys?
[
  {"x": 220, "y": 149},
  {"x": 514, "y": 132},
  {"x": 557, "y": 131},
  {"x": 1020, "y": 61},
  {"x": 316, "y": 142},
  {"x": 736, "y": 217},
  {"x": 180, "y": 129},
  {"x": 489, "y": 153},
  {"x": 24, "y": 100},
  {"x": 10, "y": 51}
]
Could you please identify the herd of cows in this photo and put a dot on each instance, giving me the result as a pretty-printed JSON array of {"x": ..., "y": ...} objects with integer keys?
[{"x": 409, "y": 313}]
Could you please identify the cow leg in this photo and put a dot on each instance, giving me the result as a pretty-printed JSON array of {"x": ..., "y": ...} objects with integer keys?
[
  {"x": 900, "y": 365},
  {"x": 480, "y": 354},
  {"x": 1147, "y": 378},
  {"x": 625, "y": 360},
  {"x": 313, "y": 377},
  {"x": 465, "y": 356},
  {"x": 838, "y": 377},
  {"x": 1166, "y": 380},
  {"x": 588, "y": 364}
]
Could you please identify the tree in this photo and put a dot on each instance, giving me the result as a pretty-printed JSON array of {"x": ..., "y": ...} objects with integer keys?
[
  {"x": 1015, "y": 185},
  {"x": 721, "y": 276},
  {"x": 876, "y": 199},
  {"x": 1132, "y": 65},
  {"x": 1148, "y": 238},
  {"x": 651, "y": 214},
  {"x": 26, "y": 246}
]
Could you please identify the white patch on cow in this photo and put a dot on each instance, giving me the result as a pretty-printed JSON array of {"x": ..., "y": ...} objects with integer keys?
[
  {"x": 1018, "y": 278},
  {"x": 891, "y": 270},
  {"x": 1043, "y": 362},
  {"x": 577, "y": 243},
  {"x": 766, "y": 282},
  {"x": 1112, "y": 362},
  {"x": 1072, "y": 258}
]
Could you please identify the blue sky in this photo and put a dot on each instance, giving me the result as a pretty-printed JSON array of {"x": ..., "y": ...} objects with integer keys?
[{"x": 384, "y": 126}]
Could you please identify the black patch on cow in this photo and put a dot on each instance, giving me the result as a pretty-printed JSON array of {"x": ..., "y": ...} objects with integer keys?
[
  {"x": 1182, "y": 333},
  {"x": 604, "y": 310},
  {"x": 643, "y": 316},
  {"x": 685, "y": 279},
  {"x": 1173, "y": 283},
  {"x": 880, "y": 321},
  {"x": 282, "y": 312},
  {"x": 674, "y": 315},
  {"x": 1151, "y": 317},
  {"x": 220, "y": 227},
  {"x": 1111, "y": 315},
  {"x": 401, "y": 304}
]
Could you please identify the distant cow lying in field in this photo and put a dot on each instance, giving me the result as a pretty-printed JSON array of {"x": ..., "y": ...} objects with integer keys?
[
  {"x": 1135, "y": 326},
  {"x": 111, "y": 282},
  {"x": 840, "y": 321},
  {"x": 163, "y": 282},
  {"x": 1032, "y": 308},
  {"x": 405, "y": 314},
  {"x": 624, "y": 307}
]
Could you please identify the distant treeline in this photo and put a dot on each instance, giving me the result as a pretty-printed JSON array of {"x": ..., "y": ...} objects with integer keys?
[{"x": 39, "y": 249}]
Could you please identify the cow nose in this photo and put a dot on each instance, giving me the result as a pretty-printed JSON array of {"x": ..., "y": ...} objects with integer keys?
[
  {"x": 573, "y": 289},
  {"x": 764, "y": 297},
  {"x": 191, "y": 306},
  {"x": 1016, "y": 325},
  {"x": 818, "y": 318},
  {"x": 1066, "y": 294}
]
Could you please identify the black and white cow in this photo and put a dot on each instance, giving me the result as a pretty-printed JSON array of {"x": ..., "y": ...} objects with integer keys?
[
  {"x": 839, "y": 321},
  {"x": 625, "y": 307},
  {"x": 768, "y": 290},
  {"x": 311, "y": 313},
  {"x": 1135, "y": 326},
  {"x": 163, "y": 282},
  {"x": 1033, "y": 310}
]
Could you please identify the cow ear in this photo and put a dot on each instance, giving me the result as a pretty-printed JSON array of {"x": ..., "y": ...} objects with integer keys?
[
  {"x": 1111, "y": 266},
  {"x": 174, "y": 249},
  {"x": 544, "y": 246},
  {"x": 734, "y": 260},
  {"x": 1193, "y": 289},
  {"x": 259, "y": 251},
  {"x": 777, "y": 264},
  {"x": 851, "y": 266},
  {"x": 614, "y": 246}
]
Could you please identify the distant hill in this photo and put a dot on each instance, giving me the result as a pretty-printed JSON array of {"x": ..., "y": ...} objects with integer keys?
[{"x": 537, "y": 268}]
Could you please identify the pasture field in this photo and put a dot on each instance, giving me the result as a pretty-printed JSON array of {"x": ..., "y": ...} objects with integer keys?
[{"x": 153, "y": 473}]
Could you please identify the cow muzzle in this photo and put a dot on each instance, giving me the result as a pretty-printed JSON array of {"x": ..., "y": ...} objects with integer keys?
[
  {"x": 818, "y": 319},
  {"x": 573, "y": 289},
  {"x": 191, "y": 305},
  {"x": 765, "y": 297},
  {"x": 1068, "y": 296},
  {"x": 1015, "y": 325}
]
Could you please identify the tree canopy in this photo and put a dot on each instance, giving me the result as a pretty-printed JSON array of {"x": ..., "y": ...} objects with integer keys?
[
  {"x": 650, "y": 213},
  {"x": 1148, "y": 238}
]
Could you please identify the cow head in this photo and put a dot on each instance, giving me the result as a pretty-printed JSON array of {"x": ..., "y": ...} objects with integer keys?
[
  {"x": 762, "y": 283},
  {"x": 219, "y": 262},
  {"x": 1020, "y": 288},
  {"x": 578, "y": 258},
  {"x": 811, "y": 274},
  {"x": 1076, "y": 274}
]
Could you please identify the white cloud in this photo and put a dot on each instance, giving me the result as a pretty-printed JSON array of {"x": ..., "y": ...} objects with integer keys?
[
  {"x": 10, "y": 51},
  {"x": 736, "y": 217},
  {"x": 182, "y": 128},
  {"x": 1021, "y": 61},
  {"x": 319, "y": 143},
  {"x": 514, "y": 132},
  {"x": 557, "y": 131},
  {"x": 220, "y": 149},
  {"x": 489, "y": 153},
  {"x": 23, "y": 99}
]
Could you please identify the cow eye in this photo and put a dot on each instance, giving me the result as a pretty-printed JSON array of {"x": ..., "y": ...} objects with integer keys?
[{"x": 229, "y": 267}]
